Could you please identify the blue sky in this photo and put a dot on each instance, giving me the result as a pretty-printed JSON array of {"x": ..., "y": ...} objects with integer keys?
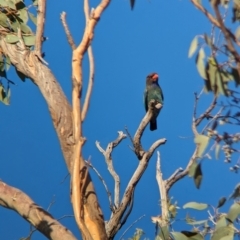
[{"x": 127, "y": 46}]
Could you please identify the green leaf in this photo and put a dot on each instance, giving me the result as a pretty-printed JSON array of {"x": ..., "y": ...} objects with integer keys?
[
  {"x": 33, "y": 18},
  {"x": 223, "y": 233},
  {"x": 163, "y": 233},
  {"x": 4, "y": 20},
  {"x": 236, "y": 76},
  {"x": 7, "y": 63},
  {"x": 23, "y": 15},
  {"x": 25, "y": 28},
  {"x": 193, "y": 47},
  {"x": 3, "y": 3},
  {"x": 11, "y": 4},
  {"x": 200, "y": 63},
  {"x": 217, "y": 149},
  {"x": 208, "y": 40},
  {"x": 202, "y": 142},
  {"x": 2, "y": 65},
  {"x": 29, "y": 40},
  {"x": 21, "y": 75},
  {"x": 221, "y": 222},
  {"x": 35, "y": 3},
  {"x": 200, "y": 222},
  {"x": 179, "y": 236},
  {"x": 6, "y": 100},
  {"x": 195, "y": 205},
  {"x": 2, "y": 93},
  {"x": 11, "y": 38},
  {"x": 221, "y": 202},
  {"x": 236, "y": 192},
  {"x": 198, "y": 176},
  {"x": 233, "y": 212},
  {"x": 15, "y": 25},
  {"x": 192, "y": 169}
]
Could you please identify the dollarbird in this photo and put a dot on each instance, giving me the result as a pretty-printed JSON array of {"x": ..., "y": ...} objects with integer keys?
[{"x": 153, "y": 92}]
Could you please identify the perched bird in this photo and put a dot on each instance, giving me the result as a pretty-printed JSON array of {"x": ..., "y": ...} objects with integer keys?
[{"x": 153, "y": 92}]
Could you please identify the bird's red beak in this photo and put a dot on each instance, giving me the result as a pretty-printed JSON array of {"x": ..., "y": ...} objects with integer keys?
[{"x": 155, "y": 76}]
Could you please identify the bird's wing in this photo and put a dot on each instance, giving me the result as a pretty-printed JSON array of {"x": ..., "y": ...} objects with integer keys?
[
  {"x": 158, "y": 94},
  {"x": 145, "y": 99}
]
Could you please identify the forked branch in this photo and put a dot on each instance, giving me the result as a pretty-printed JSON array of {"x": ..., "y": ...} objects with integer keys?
[
  {"x": 108, "y": 159},
  {"x": 120, "y": 215}
]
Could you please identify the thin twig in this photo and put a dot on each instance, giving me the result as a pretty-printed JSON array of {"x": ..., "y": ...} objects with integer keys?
[
  {"x": 131, "y": 226},
  {"x": 67, "y": 31},
  {"x": 213, "y": 20},
  {"x": 51, "y": 203},
  {"x": 103, "y": 182},
  {"x": 227, "y": 34},
  {"x": 207, "y": 112},
  {"x": 65, "y": 216},
  {"x": 174, "y": 178}
]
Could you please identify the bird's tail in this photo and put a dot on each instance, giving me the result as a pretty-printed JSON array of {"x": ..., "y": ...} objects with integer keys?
[{"x": 153, "y": 125}]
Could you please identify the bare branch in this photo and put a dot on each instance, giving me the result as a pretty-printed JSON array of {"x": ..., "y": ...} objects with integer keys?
[
  {"x": 207, "y": 112},
  {"x": 60, "y": 110},
  {"x": 114, "y": 224},
  {"x": 163, "y": 192},
  {"x": 108, "y": 159},
  {"x": 90, "y": 83},
  {"x": 137, "y": 137},
  {"x": 227, "y": 34},
  {"x": 181, "y": 174},
  {"x": 18, "y": 201},
  {"x": 213, "y": 20},
  {"x": 87, "y": 212},
  {"x": 40, "y": 28},
  {"x": 102, "y": 180},
  {"x": 67, "y": 31}
]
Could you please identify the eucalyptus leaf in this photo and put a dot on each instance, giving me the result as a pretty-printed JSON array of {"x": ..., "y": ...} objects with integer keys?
[
  {"x": 195, "y": 205},
  {"x": 23, "y": 15},
  {"x": 4, "y": 20},
  {"x": 11, "y": 38},
  {"x": 200, "y": 63},
  {"x": 193, "y": 47},
  {"x": 234, "y": 211},
  {"x": 33, "y": 18},
  {"x": 29, "y": 40},
  {"x": 202, "y": 142}
]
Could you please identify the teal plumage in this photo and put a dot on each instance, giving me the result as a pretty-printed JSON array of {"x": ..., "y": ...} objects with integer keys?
[{"x": 153, "y": 92}]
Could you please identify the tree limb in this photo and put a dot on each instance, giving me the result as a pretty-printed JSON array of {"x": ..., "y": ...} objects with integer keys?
[
  {"x": 40, "y": 28},
  {"x": 227, "y": 34},
  {"x": 87, "y": 212},
  {"x": 108, "y": 159},
  {"x": 18, "y": 201},
  {"x": 67, "y": 31},
  {"x": 26, "y": 62},
  {"x": 163, "y": 192}
]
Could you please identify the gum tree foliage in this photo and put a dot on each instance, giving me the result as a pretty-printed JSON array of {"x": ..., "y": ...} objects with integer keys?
[{"x": 218, "y": 63}]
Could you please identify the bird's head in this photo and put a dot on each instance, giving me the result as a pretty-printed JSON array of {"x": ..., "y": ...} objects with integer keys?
[{"x": 152, "y": 78}]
